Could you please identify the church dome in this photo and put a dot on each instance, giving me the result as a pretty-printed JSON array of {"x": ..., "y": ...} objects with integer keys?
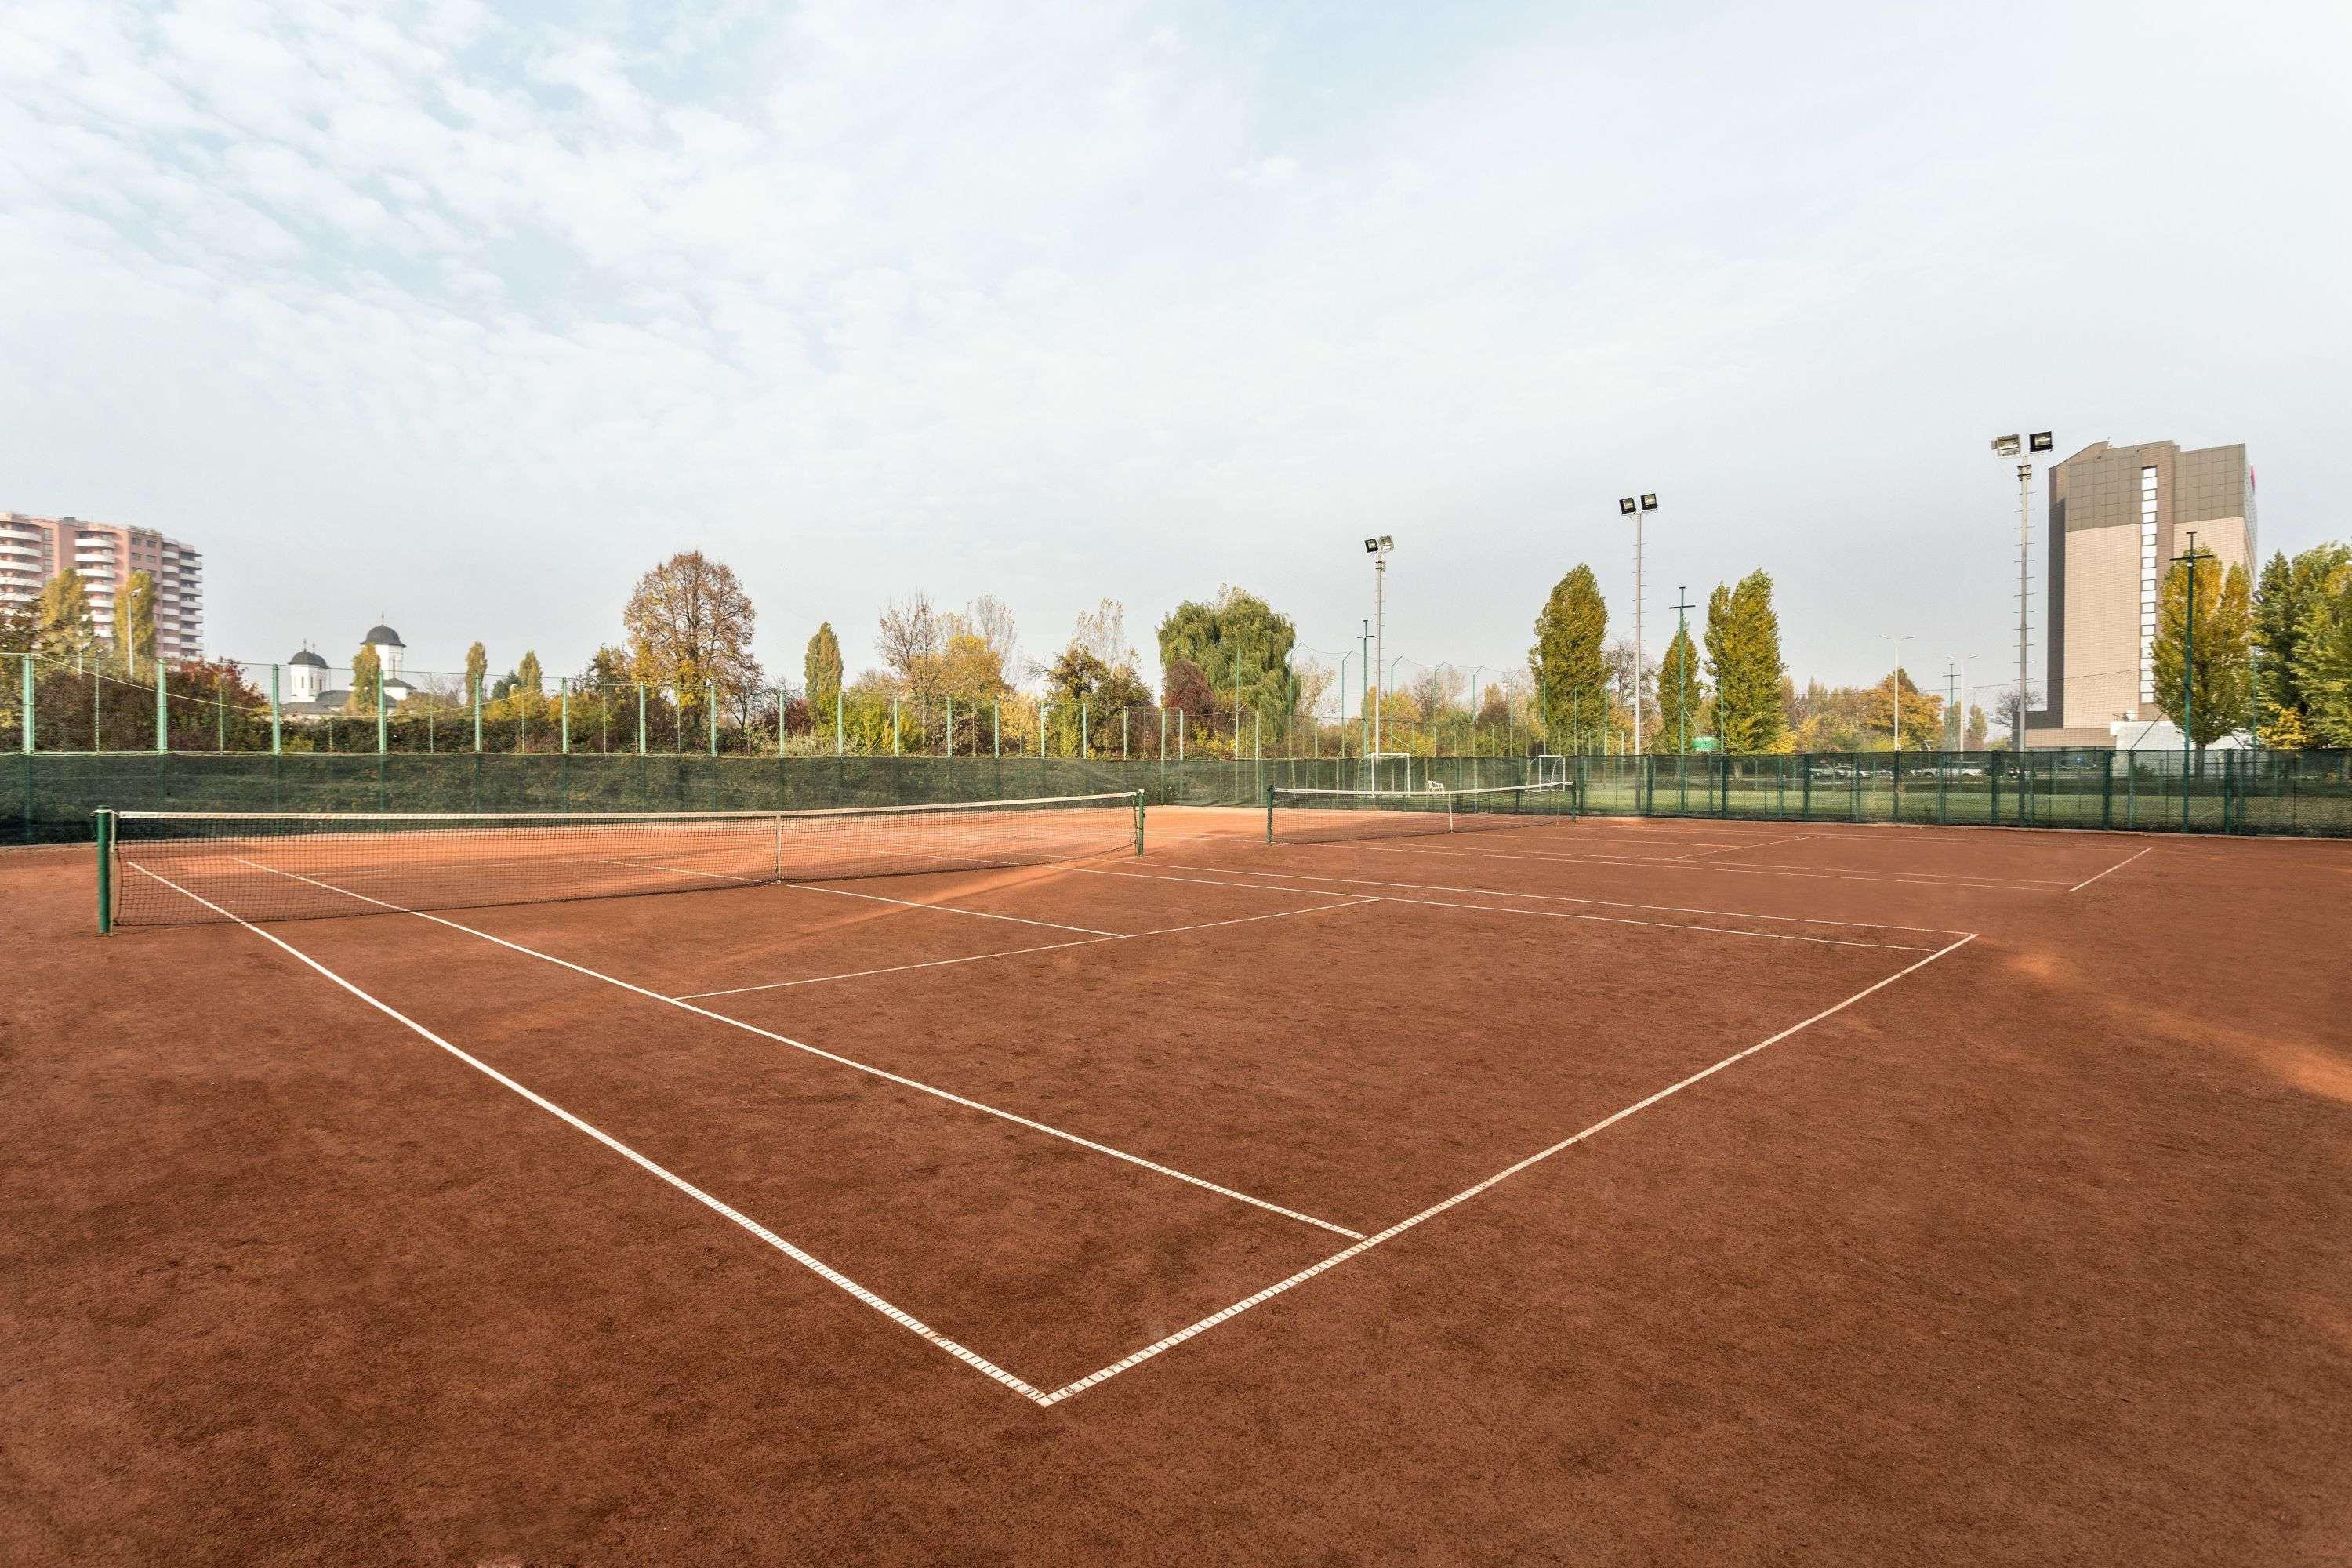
[
  {"x": 382, "y": 637},
  {"x": 307, "y": 656}
]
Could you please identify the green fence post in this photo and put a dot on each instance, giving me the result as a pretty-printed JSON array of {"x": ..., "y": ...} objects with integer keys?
[
  {"x": 996, "y": 727},
  {"x": 26, "y": 740},
  {"x": 1805, "y": 787},
  {"x": 162, "y": 710},
  {"x": 2107, "y": 792},
  {"x": 641, "y": 720},
  {"x": 893, "y": 726},
  {"x": 277, "y": 738},
  {"x": 383, "y": 722},
  {"x": 840, "y": 735},
  {"x": 950, "y": 726},
  {"x": 712, "y": 697},
  {"x": 1041, "y": 730},
  {"x": 564, "y": 707},
  {"x": 1086, "y": 738},
  {"x": 105, "y": 835},
  {"x": 1122, "y": 734},
  {"x": 1854, "y": 812},
  {"x": 477, "y": 715}
]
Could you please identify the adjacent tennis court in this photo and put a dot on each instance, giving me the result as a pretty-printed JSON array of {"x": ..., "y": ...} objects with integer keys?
[{"x": 1223, "y": 1118}]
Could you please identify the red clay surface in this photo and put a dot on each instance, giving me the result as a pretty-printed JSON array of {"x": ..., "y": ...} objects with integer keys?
[{"x": 2030, "y": 1248}]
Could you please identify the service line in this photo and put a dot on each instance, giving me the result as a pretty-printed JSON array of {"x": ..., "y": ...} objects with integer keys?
[{"x": 1096, "y": 1378}]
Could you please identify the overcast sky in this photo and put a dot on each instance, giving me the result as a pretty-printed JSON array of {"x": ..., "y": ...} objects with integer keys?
[{"x": 466, "y": 315}]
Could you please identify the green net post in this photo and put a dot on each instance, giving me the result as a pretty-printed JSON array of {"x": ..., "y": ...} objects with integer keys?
[
  {"x": 1268, "y": 797},
  {"x": 641, "y": 720},
  {"x": 713, "y": 697},
  {"x": 1139, "y": 822},
  {"x": 25, "y": 740},
  {"x": 564, "y": 710},
  {"x": 277, "y": 726},
  {"x": 105, "y": 837},
  {"x": 163, "y": 708}
]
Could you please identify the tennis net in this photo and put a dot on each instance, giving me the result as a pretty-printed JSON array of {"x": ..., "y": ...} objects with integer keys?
[
  {"x": 1324, "y": 815},
  {"x": 160, "y": 867}
]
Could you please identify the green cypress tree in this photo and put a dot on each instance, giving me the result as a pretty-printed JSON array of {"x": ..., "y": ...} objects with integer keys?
[
  {"x": 2323, "y": 658},
  {"x": 1755, "y": 719},
  {"x": 2289, "y": 589},
  {"x": 1571, "y": 676},
  {"x": 1682, "y": 694},
  {"x": 820, "y": 671}
]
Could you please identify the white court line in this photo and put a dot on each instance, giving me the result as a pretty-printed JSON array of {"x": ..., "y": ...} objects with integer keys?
[
  {"x": 1559, "y": 915},
  {"x": 1497, "y": 893},
  {"x": 2117, "y": 867},
  {"x": 816, "y": 1265},
  {"x": 1304, "y": 1275},
  {"x": 2021, "y": 885},
  {"x": 1042, "y": 947},
  {"x": 869, "y": 1068},
  {"x": 1727, "y": 848},
  {"x": 952, "y": 910}
]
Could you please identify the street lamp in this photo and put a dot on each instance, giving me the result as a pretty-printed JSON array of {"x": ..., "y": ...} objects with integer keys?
[
  {"x": 1638, "y": 507},
  {"x": 1378, "y": 549},
  {"x": 2012, "y": 447},
  {"x": 1899, "y": 639}
]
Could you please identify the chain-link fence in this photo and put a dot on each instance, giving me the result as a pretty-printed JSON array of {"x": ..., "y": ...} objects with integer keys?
[{"x": 49, "y": 795}]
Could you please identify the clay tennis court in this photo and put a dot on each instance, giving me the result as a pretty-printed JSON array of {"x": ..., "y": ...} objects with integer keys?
[{"x": 1594, "y": 1190}]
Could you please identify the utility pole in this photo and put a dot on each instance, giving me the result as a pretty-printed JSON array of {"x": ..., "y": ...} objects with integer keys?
[
  {"x": 1899, "y": 639},
  {"x": 1681, "y": 679}
]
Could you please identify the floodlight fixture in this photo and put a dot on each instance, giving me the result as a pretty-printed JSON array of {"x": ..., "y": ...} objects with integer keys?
[
  {"x": 1387, "y": 542},
  {"x": 1625, "y": 505},
  {"x": 1650, "y": 504},
  {"x": 2041, "y": 441},
  {"x": 1372, "y": 546},
  {"x": 2007, "y": 445}
]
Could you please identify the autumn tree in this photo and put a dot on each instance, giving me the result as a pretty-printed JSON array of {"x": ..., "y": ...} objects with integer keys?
[
  {"x": 690, "y": 626},
  {"x": 1974, "y": 740},
  {"x": 1238, "y": 644},
  {"x": 135, "y": 620},
  {"x": 367, "y": 681},
  {"x": 2221, "y": 676},
  {"x": 1571, "y": 678},
  {"x": 478, "y": 670},
  {"x": 821, "y": 673},
  {"x": 62, "y": 625},
  {"x": 2322, "y": 657}
]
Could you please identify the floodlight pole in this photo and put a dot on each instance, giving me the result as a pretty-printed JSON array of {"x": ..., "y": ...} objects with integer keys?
[
  {"x": 2188, "y": 673},
  {"x": 2025, "y": 539}
]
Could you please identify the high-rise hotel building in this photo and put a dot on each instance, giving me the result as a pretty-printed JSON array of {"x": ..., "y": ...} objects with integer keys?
[
  {"x": 33, "y": 549},
  {"x": 2118, "y": 516}
]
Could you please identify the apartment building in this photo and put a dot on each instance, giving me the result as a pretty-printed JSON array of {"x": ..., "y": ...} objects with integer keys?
[
  {"x": 34, "y": 549},
  {"x": 2118, "y": 517}
]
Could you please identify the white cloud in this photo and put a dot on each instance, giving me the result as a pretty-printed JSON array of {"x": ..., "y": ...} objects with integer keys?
[{"x": 996, "y": 299}]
